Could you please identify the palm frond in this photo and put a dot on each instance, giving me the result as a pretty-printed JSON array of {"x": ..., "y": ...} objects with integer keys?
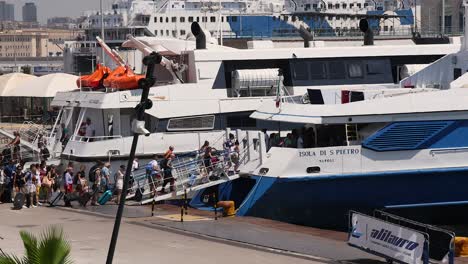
[
  {"x": 11, "y": 259},
  {"x": 30, "y": 246},
  {"x": 53, "y": 248}
]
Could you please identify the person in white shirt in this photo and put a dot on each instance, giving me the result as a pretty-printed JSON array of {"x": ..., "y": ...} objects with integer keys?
[
  {"x": 152, "y": 169},
  {"x": 90, "y": 130},
  {"x": 136, "y": 165}
]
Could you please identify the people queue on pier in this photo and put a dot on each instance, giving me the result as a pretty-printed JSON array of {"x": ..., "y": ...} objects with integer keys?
[{"x": 39, "y": 181}]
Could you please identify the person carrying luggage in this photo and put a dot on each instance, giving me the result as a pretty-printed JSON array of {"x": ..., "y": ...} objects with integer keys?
[{"x": 95, "y": 181}]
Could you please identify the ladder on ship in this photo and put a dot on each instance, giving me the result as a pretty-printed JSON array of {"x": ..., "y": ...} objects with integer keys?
[
  {"x": 194, "y": 173},
  {"x": 352, "y": 134}
]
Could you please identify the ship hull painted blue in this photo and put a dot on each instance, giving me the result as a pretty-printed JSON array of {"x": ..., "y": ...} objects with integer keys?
[{"x": 325, "y": 201}]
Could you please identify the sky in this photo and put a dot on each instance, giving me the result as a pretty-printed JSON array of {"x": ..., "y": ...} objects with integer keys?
[{"x": 53, "y": 8}]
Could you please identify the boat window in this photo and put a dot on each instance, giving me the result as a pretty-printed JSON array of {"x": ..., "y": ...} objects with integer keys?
[
  {"x": 375, "y": 67},
  {"x": 337, "y": 6},
  {"x": 240, "y": 121},
  {"x": 161, "y": 19},
  {"x": 156, "y": 33},
  {"x": 212, "y": 19},
  {"x": 174, "y": 19},
  {"x": 191, "y": 123},
  {"x": 318, "y": 70},
  {"x": 227, "y": 19},
  {"x": 336, "y": 70},
  {"x": 355, "y": 70},
  {"x": 182, "y": 32},
  {"x": 222, "y": 19},
  {"x": 198, "y": 19},
  {"x": 155, "y": 19},
  {"x": 190, "y": 19},
  {"x": 182, "y": 19},
  {"x": 167, "y": 20},
  {"x": 204, "y": 19},
  {"x": 301, "y": 71},
  {"x": 162, "y": 32}
]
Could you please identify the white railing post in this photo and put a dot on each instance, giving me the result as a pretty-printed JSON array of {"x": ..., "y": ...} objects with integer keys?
[
  {"x": 261, "y": 138},
  {"x": 247, "y": 137}
]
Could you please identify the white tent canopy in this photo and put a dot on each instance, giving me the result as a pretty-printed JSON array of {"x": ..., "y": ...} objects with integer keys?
[
  {"x": 44, "y": 86},
  {"x": 9, "y": 82}
]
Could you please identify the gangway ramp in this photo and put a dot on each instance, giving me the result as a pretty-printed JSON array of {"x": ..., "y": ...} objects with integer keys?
[
  {"x": 197, "y": 172},
  {"x": 25, "y": 143}
]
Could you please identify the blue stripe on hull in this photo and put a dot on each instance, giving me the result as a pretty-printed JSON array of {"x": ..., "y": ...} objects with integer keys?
[{"x": 325, "y": 201}]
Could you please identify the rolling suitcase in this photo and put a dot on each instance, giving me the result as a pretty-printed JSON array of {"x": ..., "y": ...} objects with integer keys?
[
  {"x": 19, "y": 201},
  {"x": 55, "y": 198},
  {"x": 85, "y": 197},
  {"x": 105, "y": 197}
]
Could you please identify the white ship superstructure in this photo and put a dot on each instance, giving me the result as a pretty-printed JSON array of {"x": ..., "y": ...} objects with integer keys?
[
  {"x": 254, "y": 18},
  {"x": 218, "y": 87}
]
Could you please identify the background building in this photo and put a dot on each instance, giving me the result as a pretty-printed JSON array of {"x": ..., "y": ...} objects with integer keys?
[
  {"x": 7, "y": 11},
  {"x": 29, "y": 12},
  {"x": 431, "y": 16},
  {"x": 62, "y": 22},
  {"x": 34, "y": 42}
]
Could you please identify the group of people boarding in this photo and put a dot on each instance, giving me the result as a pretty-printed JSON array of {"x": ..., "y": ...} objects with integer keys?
[{"x": 36, "y": 182}]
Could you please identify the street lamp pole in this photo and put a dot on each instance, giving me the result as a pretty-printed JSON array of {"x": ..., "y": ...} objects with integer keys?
[
  {"x": 150, "y": 61},
  {"x": 102, "y": 32}
]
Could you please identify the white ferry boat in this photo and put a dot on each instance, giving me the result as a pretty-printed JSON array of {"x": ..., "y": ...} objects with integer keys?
[
  {"x": 208, "y": 90},
  {"x": 402, "y": 152}
]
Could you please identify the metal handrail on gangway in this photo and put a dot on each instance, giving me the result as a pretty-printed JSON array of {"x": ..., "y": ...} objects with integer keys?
[
  {"x": 194, "y": 173},
  {"x": 30, "y": 133}
]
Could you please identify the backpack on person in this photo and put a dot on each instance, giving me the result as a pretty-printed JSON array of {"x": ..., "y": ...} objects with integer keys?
[
  {"x": 92, "y": 175},
  {"x": 164, "y": 164}
]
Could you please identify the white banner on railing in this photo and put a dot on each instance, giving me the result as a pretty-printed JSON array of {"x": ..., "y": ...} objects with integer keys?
[{"x": 394, "y": 241}]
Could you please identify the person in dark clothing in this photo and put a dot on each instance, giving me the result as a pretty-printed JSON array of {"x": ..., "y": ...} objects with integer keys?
[{"x": 168, "y": 177}]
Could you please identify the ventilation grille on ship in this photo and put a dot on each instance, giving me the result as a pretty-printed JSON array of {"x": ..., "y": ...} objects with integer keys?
[{"x": 406, "y": 135}]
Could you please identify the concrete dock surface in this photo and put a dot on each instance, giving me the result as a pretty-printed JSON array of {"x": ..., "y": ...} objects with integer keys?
[
  {"x": 90, "y": 236},
  {"x": 163, "y": 237}
]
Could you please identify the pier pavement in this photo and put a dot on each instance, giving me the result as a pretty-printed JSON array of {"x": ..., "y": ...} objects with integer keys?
[
  {"x": 199, "y": 237},
  {"x": 90, "y": 235}
]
